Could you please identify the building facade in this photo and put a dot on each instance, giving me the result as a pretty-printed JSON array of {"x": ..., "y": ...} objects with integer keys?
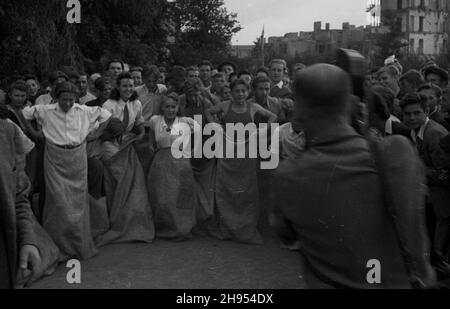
[{"x": 423, "y": 24}]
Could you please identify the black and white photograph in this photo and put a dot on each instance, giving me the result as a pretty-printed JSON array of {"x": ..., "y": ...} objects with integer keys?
[{"x": 224, "y": 151}]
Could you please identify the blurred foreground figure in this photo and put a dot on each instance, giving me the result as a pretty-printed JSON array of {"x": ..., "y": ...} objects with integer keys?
[
  {"x": 340, "y": 198},
  {"x": 18, "y": 248}
]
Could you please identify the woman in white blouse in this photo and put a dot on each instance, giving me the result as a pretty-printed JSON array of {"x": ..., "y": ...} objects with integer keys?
[{"x": 171, "y": 183}]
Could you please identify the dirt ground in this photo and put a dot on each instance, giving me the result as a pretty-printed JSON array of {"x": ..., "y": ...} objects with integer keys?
[{"x": 201, "y": 263}]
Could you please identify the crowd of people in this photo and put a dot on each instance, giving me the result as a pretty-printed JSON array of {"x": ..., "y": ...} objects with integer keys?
[{"x": 92, "y": 155}]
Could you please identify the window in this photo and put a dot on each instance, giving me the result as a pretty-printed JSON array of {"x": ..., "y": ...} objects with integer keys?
[
  {"x": 399, "y": 4},
  {"x": 421, "y": 46},
  {"x": 421, "y": 18},
  {"x": 411, "y": 46},
  {"x": 412, "y": 27}
]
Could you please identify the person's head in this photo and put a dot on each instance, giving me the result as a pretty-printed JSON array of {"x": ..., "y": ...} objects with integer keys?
[
  {"x": 82, "y": 84},
  {"x": 410, "y": 81},
  {"x": 115, "y": 67},
  {"x": 437, "y": 76},
  {"x": 388, "y": 76},
  {"x": 170, "y": 106},
  {"x": 91, "y": 81},
  {"x": 57, "y": 77},
  {"x": 114, "y": 131},
  {"x": 103, "y": 88},
  {"x": 298, "y": 67},
  {"x": 192, "y": 73},
  {"x": 162, "y": 75},
  {"x": 227, "y": 68},
  {"x": 434, "y": 96},
  {"x": 18, "y": 94},
  {"x": 261, "y": 88},
  {"x": 277, "y": 69},
  {"x": 219, "y": 81},
  {"x": 415, "y": 110},
  {"x": 232, "y": 77},
  {"x": 263, "y": 71},
  {"x": 377, "y": 108},
  {"x": 322, "y": 92},
  {"x": 245, "y": 76},
  {"x": 239, "y": 91},
  {"x": 33, "y": 85},
  {"x": 176, "y": 79},
  {"x": 66, "y": 94},
  {"x": 225, "y": 93},
  {"x": 136, "y": 74},
  {"x": 125, "y": 88},
  {"x": 387, "y": 94},
  {"x": 150, "y": 76},
  {"x": 205, "y": 68},
  {"x": 74, "y": 77},
  {"x": 192, "y": 90}
]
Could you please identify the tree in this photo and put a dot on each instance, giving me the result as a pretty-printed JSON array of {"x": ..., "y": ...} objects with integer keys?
[
  {"x": 391, "y": 41},
  {"x": 37, "y": 37},
  {"x": 203, "y": 30}
]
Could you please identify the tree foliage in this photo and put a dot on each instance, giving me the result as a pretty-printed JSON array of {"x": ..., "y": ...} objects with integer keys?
[
  {"x": 36, "y": 37},
  {"x": 202, "y": 29}
]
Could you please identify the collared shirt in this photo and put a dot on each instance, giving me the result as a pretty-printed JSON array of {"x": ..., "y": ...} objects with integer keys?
[
  {"x": 280, "y": 84},
  {"x": 87, "y": 98},
  {"x": 389, "y": 122},
  {"x": 117, "y": 109},
  {"x": 45, "y": 99},
  {"x": 419, "y": 135},
  {"x": 66, "y": 129}
]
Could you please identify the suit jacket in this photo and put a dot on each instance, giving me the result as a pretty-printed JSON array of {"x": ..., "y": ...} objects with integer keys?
[
  {"x": 436, "y": 162},
  {"x": 15, "y": 211},
  {"x": 430, "y": 150},
  {"x": 333, "y": 198}
]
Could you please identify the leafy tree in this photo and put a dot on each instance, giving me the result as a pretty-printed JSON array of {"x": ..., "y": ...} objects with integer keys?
[{"x": 202, "y": 29}]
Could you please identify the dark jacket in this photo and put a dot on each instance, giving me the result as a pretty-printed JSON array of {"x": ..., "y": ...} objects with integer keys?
[
  {"x": 333, "y": 198},
  {"x": 15, "y": 211},
  {"x": 437, "y": 162}
]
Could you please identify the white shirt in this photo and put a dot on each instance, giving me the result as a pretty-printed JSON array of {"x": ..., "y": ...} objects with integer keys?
[
  {"x": 388, "y": 128},
  {"x": 45, "y": 99},
  {"x": 421, "y": 132},
  {"x": 280, "y": 84},
  {"x": 117, "y": 108},
  {"x": 66, "y": 129},
  {"x": 87, "y": 98},
  {"x": 27, "y": 144}
]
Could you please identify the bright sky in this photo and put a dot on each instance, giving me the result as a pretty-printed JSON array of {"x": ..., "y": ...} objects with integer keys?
[{"x": 282, "y": 16}]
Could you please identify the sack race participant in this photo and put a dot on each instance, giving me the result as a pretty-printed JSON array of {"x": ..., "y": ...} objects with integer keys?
[
  {"x": 237, "y": 210},
  {"x": 129, "y": 213},
  {"x": 66, "y": 212},
  {"x": 171, "y": 184}
]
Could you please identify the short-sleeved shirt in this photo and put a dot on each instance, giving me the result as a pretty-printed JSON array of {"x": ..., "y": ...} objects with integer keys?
[
  {"x": 66, "y": 129},
  {"x": 117, "y": 109}
]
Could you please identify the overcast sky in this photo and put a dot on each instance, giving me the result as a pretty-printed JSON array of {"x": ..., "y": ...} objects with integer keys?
[{"x": 282, "y": 16}]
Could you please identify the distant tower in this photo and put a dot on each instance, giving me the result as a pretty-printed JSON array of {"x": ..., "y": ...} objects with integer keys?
[{"x": 373, "y": 12}]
